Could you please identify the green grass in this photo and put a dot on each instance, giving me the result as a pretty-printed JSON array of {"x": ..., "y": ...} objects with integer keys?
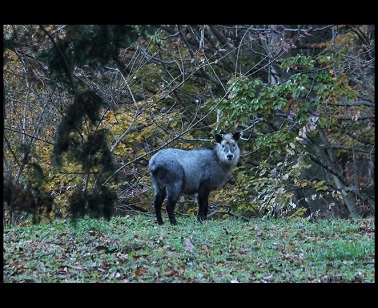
[{"x": 136, "y": 249}]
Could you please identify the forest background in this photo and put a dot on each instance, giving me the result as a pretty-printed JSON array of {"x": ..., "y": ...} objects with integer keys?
[{"x": 86, "y": 106}]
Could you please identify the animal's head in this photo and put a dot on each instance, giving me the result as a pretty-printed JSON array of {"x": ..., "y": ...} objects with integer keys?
[{"x": 228, "y": 149}]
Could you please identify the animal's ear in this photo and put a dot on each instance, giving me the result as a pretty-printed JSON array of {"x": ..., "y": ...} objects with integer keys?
[
  {"x": 218, "y": 138},
  {"x": 236, "y": 136}
]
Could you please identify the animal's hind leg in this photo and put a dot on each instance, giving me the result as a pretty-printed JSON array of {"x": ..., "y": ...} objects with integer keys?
[
  {"x": 171, "y": 202},
  {"x": 173, "y": 196},
  {"x": 159, "y": 198}
]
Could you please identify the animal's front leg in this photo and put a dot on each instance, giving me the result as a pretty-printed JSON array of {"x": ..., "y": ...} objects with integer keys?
[{"x": 202, "y": 199}]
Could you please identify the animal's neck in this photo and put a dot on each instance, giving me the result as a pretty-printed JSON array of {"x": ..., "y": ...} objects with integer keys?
[{"x": 227, "y": 166}]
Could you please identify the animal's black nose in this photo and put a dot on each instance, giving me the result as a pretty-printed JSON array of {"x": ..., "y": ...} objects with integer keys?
[{"x": 230, "y": 156}]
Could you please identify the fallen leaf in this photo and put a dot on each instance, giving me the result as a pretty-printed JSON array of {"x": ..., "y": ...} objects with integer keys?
[
  {"x": 169, "y": 273},
  {"x": 205, "y": 248}
]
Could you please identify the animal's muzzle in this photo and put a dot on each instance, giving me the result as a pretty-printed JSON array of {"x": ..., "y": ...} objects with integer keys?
[{"x": 230, "y": 156}]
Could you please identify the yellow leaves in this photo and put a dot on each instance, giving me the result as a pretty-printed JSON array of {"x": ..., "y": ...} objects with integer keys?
[
  {"x": 320, "y": 45},
  {"x": 110, "y": 118},
  {"x": 10, "y": 55},
  {"x": 123, "y": 149},
  {"x": 319, "y": 185}
]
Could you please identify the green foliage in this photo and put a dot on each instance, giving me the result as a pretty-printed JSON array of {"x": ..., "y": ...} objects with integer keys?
[
  {"x": 289, "y": 107},
  {"x": 299, "y": 62},
  {"x": 241, "y": 103}
]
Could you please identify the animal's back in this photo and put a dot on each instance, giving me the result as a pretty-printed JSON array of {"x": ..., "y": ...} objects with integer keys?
[{"x": 198, "y": 166}]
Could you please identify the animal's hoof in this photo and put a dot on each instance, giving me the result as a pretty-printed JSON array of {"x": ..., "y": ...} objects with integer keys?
[{"x": 201, "y": 218}]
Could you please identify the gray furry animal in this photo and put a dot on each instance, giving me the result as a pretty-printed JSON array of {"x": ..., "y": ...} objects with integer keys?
[{"x": 199, "y": 171}]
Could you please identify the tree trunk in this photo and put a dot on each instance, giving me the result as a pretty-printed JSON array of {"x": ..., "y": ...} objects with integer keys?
[
  {"x": 348, "y": 197},
  {"x": 326, "y": 158}
]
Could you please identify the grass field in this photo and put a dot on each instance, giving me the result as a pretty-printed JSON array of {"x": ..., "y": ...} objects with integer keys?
[{"x": 135, "y": 249}]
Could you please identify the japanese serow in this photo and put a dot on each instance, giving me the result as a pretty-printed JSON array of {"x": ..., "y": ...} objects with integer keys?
[{"x": 199, "y": 171}]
